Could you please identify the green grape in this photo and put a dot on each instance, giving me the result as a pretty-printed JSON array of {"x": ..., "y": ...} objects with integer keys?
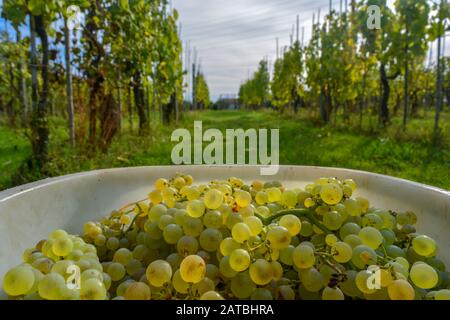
[
  {"x": 62, "y": 246},
  {"x": 436, "y": 263},
  {"x": 363, "y": 256},
  {"x": 195, "y": 208},
  {"x": 423, "y": 275},
  {"x": 286, "y": 255},
  {"x": 388, "y": 236},
  {"x": 213, "y": 199},
  {"x": 261, "y": 294},
  {"x": 285, "y": 292},
  {"x": 123, "y": 256},
  {"x": 371, "y": 237},
  {"x": 307, "y": 229},
  {"x": 289, "y": 199},
  {"x": 106, "y": 280},
  {"x": 349, "y": 228},
  {"x": 255, "y": 225},
  {"x": 203, "y": 286},
  {"x": 172, "y": 233},
  {"x": 261, "y": 198},
  {"x": 18, "y": 280},
  {"x": 332, "y": 294},
  {"x": 395, "y": 251},
  {"x": 158, "y": 273},
  {"x": 243, "y": 198},
  {"x": 187, "y": 245},
  {"x": 213, "y": 219},
  {"x": 331, "y": 239},
  {"x": 362, "y": 281},
  {"x": 401, "y": 290},
  {"x": 353, "y": 240},
  {"x": 331, "y": 193},
  {"x": 116, "y": 271},
  {"x": 193, "y": 269},
  {"x": 133, "y": 266},
  {"x": 211, "y": 295},
  {"x": 242, "y": 286},
  {"x": 232, "y": 219},
  {"x": 174, "y": 259},
  {"x": 398, "y": 268},
  {"x": 443, "y": 294},
  {"x": 92, "y": 289},
  {"x": 61, "y": 267},
  {"x": 210, "y": 239},
  {"x": 239, "y": 260},
  {"x": 156, "y": 212},
  {"x": 274, "y": 207},
  {"x": 212, "y": 272},
  {"x": 389, "y": 220},
  {"x": 51, "y": 286},
  {"x": 352, "y": 207},
  {"x": 342, "y": 252},
  {"x": 240, "y": 232},
  {"x": 179, "y": 216},
  {"x": 273, "y": 194},
  {"x": 179, "y": 284},
  {"x": 291, "y": 223},
  {"x": 228, "y": 245},
  {"x": 192, "y": 226},
  {"x": 303, "y": 256},
  {"x": 44, "y": 265},
  {"x": 165, "y": 220},
  {"x": 261, "y": 272},
  {"x": 153, "y": 230},
  {"x": 349, "y": 286},
  {"x": 350, "y": 183},
  {"x": 225, "y": 268},
  {"x": 123, "y": 286},
  {"x": 279, "y": 237},
  {"x": 57, "y": 234},
  {"x": 403, "y": 262},
  {"x": 347, "y": 191},
  {"x": 277, "y": 270},
  {"x": 100, "y": 240},
  {"x": 312, "y": 279},
  {"x": 137, "y": 291},
  {"x": 332, "y": 220},
  {"x": 372, "y": 220},
  {"x": 91, "y": 274},
  {"x": 424, "y": 245},
  {"x": 263, "y": 211},
  {"x": 363, "y": 203}
]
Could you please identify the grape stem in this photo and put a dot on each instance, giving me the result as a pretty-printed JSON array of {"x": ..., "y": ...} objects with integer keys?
[{"x": 296, "y": 212}]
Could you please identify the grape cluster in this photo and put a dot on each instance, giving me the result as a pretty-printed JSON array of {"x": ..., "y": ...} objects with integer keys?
[{"x": 231, "y": 240}]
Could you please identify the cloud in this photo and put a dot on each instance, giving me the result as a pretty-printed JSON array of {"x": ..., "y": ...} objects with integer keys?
[{"x": 231, "y": 37}]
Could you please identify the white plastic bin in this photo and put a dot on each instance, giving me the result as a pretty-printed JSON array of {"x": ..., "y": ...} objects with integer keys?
[{"x": 28, "y": 213}]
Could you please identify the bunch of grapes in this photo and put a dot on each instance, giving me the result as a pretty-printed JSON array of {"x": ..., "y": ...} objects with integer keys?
[{"x": 231, "y": 240}]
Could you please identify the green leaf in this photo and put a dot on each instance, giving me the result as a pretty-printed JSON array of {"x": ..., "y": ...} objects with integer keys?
[
  {"x": 36, "y": 7},
  {"x": 124, "y": 4}
]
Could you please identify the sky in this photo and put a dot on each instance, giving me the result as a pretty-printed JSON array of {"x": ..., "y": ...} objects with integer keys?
[{"x": 232, "y": 36}]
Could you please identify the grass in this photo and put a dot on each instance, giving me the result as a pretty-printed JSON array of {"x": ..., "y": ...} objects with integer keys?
[
  {"x": 406, "y": 154},
  {"x": 14, "y": 150}
]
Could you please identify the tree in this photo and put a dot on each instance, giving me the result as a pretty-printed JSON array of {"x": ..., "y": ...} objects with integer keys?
[
  {"x": 203, "y": 99},
  {"x": 255, "y": 92}
]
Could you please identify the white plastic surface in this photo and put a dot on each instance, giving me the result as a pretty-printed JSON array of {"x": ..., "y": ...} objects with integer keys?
[{"x": 28, "y": 213}]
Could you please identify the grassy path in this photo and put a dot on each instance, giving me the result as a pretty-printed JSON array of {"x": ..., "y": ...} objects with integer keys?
[{"x": 301, "y": 143}]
